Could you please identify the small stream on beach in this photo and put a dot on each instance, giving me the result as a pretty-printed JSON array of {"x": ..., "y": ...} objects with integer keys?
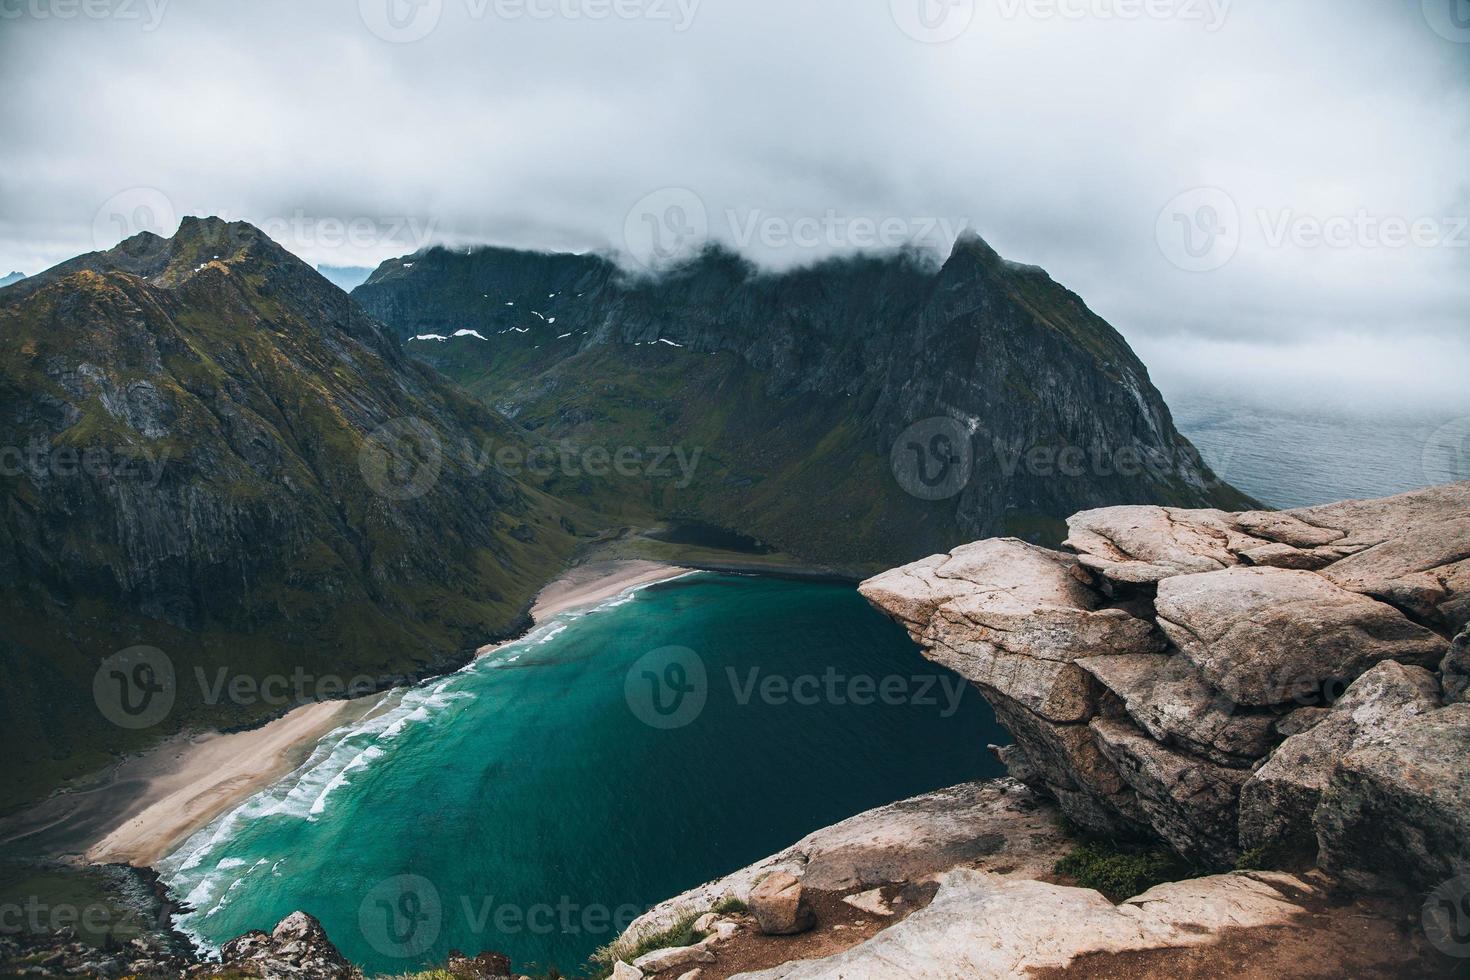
[{"x": 536, "y": 800}]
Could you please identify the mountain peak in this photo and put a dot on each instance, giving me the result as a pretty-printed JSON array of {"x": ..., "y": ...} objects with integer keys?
[{"x": 970, "y": 246}]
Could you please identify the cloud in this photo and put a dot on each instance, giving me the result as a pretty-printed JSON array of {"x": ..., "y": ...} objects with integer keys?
[{"x": 1087, "y": 136}]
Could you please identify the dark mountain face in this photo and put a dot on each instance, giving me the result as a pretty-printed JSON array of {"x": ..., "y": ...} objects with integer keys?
[
  {"x": 212, "y": 451},
  {"x": 858, "y": 412}
]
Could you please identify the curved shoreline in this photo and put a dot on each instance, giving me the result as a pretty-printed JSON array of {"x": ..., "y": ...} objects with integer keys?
[{"x": 148, "y": 804}]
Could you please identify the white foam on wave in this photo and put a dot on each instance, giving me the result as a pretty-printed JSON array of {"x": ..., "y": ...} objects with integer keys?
[{"x": 338, "y": 758}]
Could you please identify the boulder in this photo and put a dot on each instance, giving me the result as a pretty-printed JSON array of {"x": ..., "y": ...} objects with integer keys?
[
  {"x": 1189, "y": 802},
  {"x": 1169, "y": 699},
  {"x": 674, "y": 958},
  {"x": 626, "y": 971},
  {"x": 1277, "y": 802},
  {"x": 779, "y": 905},
  {"x": 1395, "y": 815},
  {"x": 1266, "y": 636}
]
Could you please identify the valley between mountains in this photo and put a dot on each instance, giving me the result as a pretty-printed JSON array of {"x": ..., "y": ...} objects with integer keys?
[
  {"x": 228, "y": 458},
  {"x": 1231, "y": 732}
]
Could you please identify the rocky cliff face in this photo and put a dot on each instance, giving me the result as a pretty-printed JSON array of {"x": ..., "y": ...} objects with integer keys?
[
  {"x": 800, "y": 389},
  {"x": 1291, "y": 681},
  {"x": 213, "y": 452}
]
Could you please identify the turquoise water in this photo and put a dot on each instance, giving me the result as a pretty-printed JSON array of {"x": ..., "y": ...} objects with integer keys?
[
  {"x": 535, "y": 801},
  {"x": 1300, "y": 458}
]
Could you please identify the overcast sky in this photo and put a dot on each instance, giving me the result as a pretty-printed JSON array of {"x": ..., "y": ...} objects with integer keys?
[{"x": 1262, "y": 195}]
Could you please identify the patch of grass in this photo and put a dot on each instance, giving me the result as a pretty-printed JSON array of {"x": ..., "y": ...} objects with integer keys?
[
  {"x": 1121, "y": 871},
  {"x": 730, "y": 905},
  {"x": 681, "y": 933},
  {"x": 1255, "y": 859},
  {"x": 1290, "y": 854}
]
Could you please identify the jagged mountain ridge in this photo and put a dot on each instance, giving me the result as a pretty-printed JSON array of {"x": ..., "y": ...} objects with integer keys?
[
  {"x": 250, "y": 535},
  {"x": 796, "y": 385}
]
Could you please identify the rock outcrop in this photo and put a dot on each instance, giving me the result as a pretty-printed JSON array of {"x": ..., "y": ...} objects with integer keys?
[
  {"x": 297, "y": 948},
  {"x": 1278, "y": 801},
  {"x": 981, "y": 926},
  {"x": 1396, "y": 811},
  {"x": 1265, "y": 636},
  {"x": 1229, "y": 680},
  {"x": 946, "y": 887},
  {"x": 995, "y": 824}
]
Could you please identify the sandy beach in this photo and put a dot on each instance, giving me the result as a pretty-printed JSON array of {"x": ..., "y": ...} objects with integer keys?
[
  {"x": 595, "y": 582},
  {"x": 142, "y": 808}
]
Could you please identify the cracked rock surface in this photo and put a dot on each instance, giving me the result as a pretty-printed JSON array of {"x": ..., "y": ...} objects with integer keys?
[{"x": 1224, "y": 680}]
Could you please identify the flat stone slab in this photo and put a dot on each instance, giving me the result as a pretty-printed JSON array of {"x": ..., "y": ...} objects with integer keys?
[
  {"x": 998, "y": 823},
  {"x": 1267, "y": 636},
  {"x": 1142, "y": 545},
  {"x": 981, "y": 927}
]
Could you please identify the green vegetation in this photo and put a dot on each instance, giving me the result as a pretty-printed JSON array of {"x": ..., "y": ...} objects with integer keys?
[
  {"x": 1121, "y": 871},
  {"x": 259, "y": 549},
  {"x": 730, "y": 905},
  {"x": 681, "y": 933}
]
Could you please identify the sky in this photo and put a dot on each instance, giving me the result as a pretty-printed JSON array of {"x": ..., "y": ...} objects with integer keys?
[{"x": 1270, "y": 199}]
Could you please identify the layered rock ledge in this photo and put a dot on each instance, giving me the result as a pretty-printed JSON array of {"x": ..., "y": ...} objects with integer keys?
[{"x": 1290, "y": 681}]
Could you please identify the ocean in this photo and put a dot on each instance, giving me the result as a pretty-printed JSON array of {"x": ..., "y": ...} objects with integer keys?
[
  {"x": 535, "y": 801},
  {"x": 1301, "y": 457}
]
